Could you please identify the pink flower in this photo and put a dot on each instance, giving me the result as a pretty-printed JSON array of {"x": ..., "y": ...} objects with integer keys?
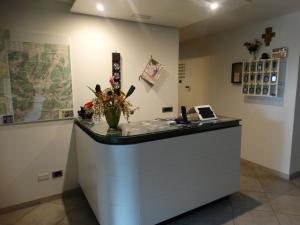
[
  {"x": 88, "y": 105},
  {"x": 112, "y": 81}
]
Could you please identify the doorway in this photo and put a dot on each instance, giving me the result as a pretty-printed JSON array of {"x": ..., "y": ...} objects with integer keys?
[{"x": 196, "y": 82}]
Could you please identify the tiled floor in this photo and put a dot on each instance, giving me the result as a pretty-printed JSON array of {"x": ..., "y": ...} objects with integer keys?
[{"x": 263, "y": 200}]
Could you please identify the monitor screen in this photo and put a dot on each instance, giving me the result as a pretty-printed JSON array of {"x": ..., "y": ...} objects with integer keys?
[{"x": 206, "y": 113}]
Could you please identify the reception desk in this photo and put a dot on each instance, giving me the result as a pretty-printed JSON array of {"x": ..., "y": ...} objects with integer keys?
[{"x": 149, "y": 172}]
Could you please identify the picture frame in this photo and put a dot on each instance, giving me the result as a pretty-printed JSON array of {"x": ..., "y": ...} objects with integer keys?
[{"x": 236, "y": 73}]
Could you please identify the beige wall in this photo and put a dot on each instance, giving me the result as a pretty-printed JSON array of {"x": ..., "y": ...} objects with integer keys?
[
  {"x": 198, "y": 77},
  {"x": 267, "y": 123},
  {"x": 27, "y": 150}
]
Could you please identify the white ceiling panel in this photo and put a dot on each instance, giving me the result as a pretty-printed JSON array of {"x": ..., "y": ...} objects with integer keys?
[
  {"x": 192, "y": 17},
  {"x": 257, "y": 10},
  {"x": 172, "y": 13}
]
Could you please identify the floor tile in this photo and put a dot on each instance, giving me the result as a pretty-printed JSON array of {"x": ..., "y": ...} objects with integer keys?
[
  {"x": 45, "y": 214},
  {"x": 263, "y": 172},
  {"x": 79, "y": 216},
  {"x": 246, "y": 163},
  {"x": 255, "y": 217},
  {"x": 82, "y": 221},
  {"x": 250, "y": 200},
  {"x": 277, "y": 185},
  {"x": 285, "y": 219},
  {"x": 71, "y": 201},
  {"x": 247, "y": 171},
  {"x": 296, "y": 182},
  {"x": 286, "y": 204},
  {"x": 250, "y": 184},
  {"x": 264, "y": 199},
  {"x": 217, "y": 213},
  {"x": 180, "y": 221},
  {"x": 12, "y": 217}
]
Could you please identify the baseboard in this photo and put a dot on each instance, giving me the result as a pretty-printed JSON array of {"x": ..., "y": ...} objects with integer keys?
[
  {"x": 73, "y": 191},
  {"x": 272, "y": 171},
  {"x": 38, "y": 201}
]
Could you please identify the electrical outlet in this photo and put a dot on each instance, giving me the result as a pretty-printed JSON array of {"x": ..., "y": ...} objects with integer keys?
[
  {"x": 57, "y": 174},
  {"x": 167, "y": 109},
  {"x": 43, "y": 177}
]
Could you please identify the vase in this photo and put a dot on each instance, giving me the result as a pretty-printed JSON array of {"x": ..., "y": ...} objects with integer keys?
[
  {"x": 112, "y": 115},
  {"x": 253, "y": 56}
]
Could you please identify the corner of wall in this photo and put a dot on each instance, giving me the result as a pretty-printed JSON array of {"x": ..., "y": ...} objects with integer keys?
[{"x": 295, "y": 154}]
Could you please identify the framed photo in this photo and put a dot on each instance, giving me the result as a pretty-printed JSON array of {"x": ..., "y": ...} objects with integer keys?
[{"x": 236, "y": 73}]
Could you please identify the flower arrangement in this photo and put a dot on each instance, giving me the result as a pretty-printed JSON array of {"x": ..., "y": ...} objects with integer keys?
[
  {"x": 253, "y": 47},
  {"x": 110, "y": 102},
  {"x": 88, "y": 107},
  {"x": 86, "y": 112}
]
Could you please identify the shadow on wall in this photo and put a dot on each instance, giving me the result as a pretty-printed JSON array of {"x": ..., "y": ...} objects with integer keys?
[
  {"x": 264, "y": 100},
  {"x": 71, "y": 171},
  {"x": 295, "y": 156}
]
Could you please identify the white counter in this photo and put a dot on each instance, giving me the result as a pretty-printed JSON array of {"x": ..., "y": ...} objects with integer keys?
[{"x": 150, "y": 182}]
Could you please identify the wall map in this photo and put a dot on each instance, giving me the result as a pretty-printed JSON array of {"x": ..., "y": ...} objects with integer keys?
[{"x": 35, "y": 81}]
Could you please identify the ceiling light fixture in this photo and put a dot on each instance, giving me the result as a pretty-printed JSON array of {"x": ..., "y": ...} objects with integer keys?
[
  {"x": 214, "y": 5},
  {"x": 100, "y": 7}
]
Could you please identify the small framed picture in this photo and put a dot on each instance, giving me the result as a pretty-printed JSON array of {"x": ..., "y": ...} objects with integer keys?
[
  {"x": 236, "y": 73},
  {"x": 8, "y": 119}
]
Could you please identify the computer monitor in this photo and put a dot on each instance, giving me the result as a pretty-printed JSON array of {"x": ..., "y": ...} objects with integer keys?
[{"x": 205, "y": 112}]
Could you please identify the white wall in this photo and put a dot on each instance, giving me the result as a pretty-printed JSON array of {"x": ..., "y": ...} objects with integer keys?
[
  {"x": 27, "y": 150},
  {"x": 267, "y": 124}
]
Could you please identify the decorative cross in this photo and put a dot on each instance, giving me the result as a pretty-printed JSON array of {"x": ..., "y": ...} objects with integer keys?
[{"x": 268, "y": 36}]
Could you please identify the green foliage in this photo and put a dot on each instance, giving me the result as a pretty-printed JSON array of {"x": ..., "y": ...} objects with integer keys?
[
  {"x": 1, "y": 87},
  {"x": 2, "y": 109},
  {"x": 51, "y": 104},
  {"x": 62, "y": 61},
  {"x": 22, "y": 104},
  {"x": 4, "y": 36}
]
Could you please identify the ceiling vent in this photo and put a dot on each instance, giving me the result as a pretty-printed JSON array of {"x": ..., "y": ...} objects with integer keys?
[{"x": 181, "y": 72}]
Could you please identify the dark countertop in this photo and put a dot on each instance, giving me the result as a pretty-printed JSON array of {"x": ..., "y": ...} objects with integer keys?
[{"x": 144, "y": 131}]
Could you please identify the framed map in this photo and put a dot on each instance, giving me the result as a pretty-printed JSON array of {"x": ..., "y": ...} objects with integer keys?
[
  {"x": 5, "y": 90},
  {"x": 35, "y": 78}
]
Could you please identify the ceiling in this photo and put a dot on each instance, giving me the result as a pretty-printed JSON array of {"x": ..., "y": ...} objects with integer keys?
[
  {"x": 193, "y": 18},
  {"x": 172, "y": 13},
  {"x": 256, "y": 11}
]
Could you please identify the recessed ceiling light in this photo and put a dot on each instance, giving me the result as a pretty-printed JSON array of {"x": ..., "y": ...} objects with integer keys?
[
  {"x": 100, "y": 7},
  {"x": 214, "y": 5}
]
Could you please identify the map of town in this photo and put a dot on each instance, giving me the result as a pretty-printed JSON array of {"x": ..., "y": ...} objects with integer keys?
[
  {"x": 5, "y": 96},
  {"x": 39, "y": 79}
]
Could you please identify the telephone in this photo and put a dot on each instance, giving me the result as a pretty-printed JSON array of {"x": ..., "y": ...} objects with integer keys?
[{"x": 183, "y": 118}]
